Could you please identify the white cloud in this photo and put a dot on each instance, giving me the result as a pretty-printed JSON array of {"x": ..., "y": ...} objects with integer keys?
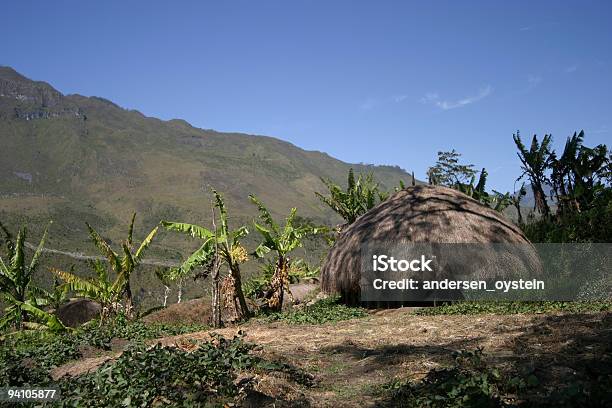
[
  {"x": 571, "y": 68},
  {"x": 400, "y": 98},
  {"x": 430, "y": 97},
  {"x": 369, "y": 104},
  {"x": 434, "y": 98}
]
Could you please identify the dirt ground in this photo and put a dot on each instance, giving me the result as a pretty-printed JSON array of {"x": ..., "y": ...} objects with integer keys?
[{"x": 350, "y": 361}]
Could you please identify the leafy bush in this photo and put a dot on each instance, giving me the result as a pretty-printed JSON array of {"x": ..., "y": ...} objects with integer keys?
[
  {"x": 322, "y": 311},
  {"x": 163, "y": 375},
  {"x": 27, "y": 357},
  {"x": 469, "y": 382},
  {"x": 490, "y": 307},
  {"x": 121, "y": 328}
]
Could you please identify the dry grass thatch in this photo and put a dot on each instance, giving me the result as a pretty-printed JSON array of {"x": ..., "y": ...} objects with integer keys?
[
  {"x": 419, "y": 214},
  {"x": 78, "y": 311}
]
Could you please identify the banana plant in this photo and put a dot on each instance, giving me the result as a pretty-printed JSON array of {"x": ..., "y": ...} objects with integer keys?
[
  {"x": 53, "y": 298},
  {"x": 101, "y": 289},
  {"x": 222, "y": 241},
  {"x": 535, "y": 162},
  {"x": 16, "y": 289},
  {"x": 281, "y": 241},
  {"x": 360, "y": 195},
  {"x": 122, "y": 265}
]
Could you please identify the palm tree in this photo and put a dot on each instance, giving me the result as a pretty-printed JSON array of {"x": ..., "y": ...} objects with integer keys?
[
  {"x": 535, "y": 163},
  {"x": 123, "y": 266},
  {"x": 15, "y": 285},
  {"x": 221, "y": 242},
  {"x": 281, "y": 241}
]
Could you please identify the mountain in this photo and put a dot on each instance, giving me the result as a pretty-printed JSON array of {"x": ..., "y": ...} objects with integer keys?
[{"x": 71, "y": 159}]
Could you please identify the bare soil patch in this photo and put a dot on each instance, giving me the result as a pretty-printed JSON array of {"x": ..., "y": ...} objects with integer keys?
[{"x": 351, "y": 360}]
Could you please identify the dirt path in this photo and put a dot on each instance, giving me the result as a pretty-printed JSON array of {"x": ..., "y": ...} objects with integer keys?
[
  {"x": 83, "y": 257},
  {"x": 352, "y": 359}
]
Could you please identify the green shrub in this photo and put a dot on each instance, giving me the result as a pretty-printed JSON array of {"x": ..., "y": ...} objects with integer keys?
[
  {"x": 491, "y": 307},
  {"x": 322, "y": 311},
  {"x": 469, "y": 382},
  {"x": 27, "y": 357},
  {"x": 144, "y": 376}
]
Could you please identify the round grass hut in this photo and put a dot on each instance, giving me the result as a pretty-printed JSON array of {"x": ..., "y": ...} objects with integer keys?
[{"x": 419, "y": 214}]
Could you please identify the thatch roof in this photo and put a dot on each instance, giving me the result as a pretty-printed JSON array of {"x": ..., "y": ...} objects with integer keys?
[
  {"x": 419, "y": 214},
  {"x": 78, "y": 311}
]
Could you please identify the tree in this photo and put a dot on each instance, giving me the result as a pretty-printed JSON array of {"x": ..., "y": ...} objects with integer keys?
[
  {"x": 360, "y": 195},
  {"x": 578, "y": 174},
  {"x": 281, "y": 241},
  {"x": 448, "y": 171},
  {"x": 535, "y": 163},
  {"x": 222, "y": 243},
  {"x": 16, "y": 289}
]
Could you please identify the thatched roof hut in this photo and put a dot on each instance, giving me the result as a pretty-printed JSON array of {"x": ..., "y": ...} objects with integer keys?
[
  {"x": 418, "y": 214},
  {"x": 78, "y": 311}
]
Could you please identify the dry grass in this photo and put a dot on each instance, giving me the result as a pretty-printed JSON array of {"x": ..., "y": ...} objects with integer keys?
[{"x": 351, "y": 360}]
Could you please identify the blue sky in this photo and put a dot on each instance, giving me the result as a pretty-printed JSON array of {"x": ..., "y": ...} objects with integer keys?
[{"x": 377, "y": 82}]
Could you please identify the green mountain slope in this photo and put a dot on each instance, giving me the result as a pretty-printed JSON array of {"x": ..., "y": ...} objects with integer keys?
[{"x": 73, "y": 159}]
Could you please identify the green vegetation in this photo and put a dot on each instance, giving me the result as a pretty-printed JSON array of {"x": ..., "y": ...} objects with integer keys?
[
  {"x": 581, "y": 179},
  {"x": 102, "y": 289},
  {"x": 281, "y": 241},
  {"x": 172, "y": 377},
  {"x": 114, "y": 181},
  {"x": 220, "y": 244},
  {"x": 27, "y": 357},
  {"x": 535, "y": 162},
  {"x": 468, "y": 382},
  {"x": 360, "y": 196},
  {"x": 449, "y": 172},
  {"x": 16, "y": 290},
  {"x": 322, "y": 311},
  {"x": 491, "y": 307}
]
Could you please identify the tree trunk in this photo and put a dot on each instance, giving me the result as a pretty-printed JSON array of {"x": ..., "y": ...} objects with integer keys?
[
  {"x": 278, "y": 284},
  {"x": 216, "y": 301},
  {"x": 540, "y": 198},
  {"x": 166, "y": 293},
  {"x": 216, "y": 295},
  {"x": 244, "y": 312},
  {"x": 129, "y": 307}
]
